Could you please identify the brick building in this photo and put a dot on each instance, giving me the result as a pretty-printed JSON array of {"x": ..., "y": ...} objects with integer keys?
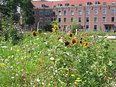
[{"x": 90, "y": 14}]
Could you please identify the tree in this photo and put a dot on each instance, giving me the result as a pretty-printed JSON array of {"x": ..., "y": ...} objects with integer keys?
[
  {"x": 75, "y": 26},
  {"x": 9, "y": 8}
]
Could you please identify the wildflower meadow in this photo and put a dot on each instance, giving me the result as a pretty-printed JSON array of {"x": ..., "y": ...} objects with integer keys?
[{"x": 56, "y": 60}]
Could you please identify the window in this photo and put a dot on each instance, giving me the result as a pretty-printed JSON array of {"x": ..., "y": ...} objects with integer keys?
[
  {"x": 89, "y": 3},
  {"x": 103, "y": 19},
  {"x": 59, "y": 5},
  {"x": 112, "y": 19},
  {"x": 95, "y": 19},
  {"x": 53, "y": 19},
  {"x": 87, "y": 11},
  {"x": 80, "y": 12},
  {"x": 72, "y": 12},
  {"x": 64, "y": 27},
  {"x": 59, "y": 19},
  {"x": 43, "y": 5},
  {"x": 64, "y": 19},
  {"x": 95, "y": 27},
  {"x": 48, "y": 13},
  {"x": 71, "y": 19},
  {"x": 40, "y": 13},
  {"x": 87, "y": 19},
  {"x": 66, "y": 4},
  {"x": 113, "y": 11},
  {"x": 104, "y": 3},
  {"x": 97, "y": 2},
  {"x": 47, "y": 19},
  {"x": 41, "y": 19},
  {"x": 87, "y": 26},
  {"x": 59, "y": 12},
  {"x": 113, "y": 3},
  {"x": 80, "y": 4},
  {"x": 53, "y": 14},
  {"x": 95, "y": 11},
  {"x": 104, "y": 11},
  {"x": 72, "y": 5},
  {"x": 65, "y": 12},
  {"x": 79, "y": 19}
]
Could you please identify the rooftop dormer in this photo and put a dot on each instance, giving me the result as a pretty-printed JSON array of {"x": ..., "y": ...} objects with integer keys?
[
  {"x": 88, "y": 3},
  {"x": 96, "y": 3}
]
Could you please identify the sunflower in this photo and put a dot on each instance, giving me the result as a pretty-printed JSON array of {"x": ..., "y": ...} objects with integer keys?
[
  {"x": 87, "y": 34},
  {"x": 59, "y": 37},
  {"x": 86, "y": 44},
  {"x": 70, "y": 34},
  {"x": 66, "y": 43},
  {"x": 80, "y": 41},
  {"x": 34, "y": 33},
  {"x": 74, "y": 40}
]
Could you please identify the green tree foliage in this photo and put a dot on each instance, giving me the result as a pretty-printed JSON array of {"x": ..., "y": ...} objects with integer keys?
[
  {"x": 75, "y": 26},
  {"x": 10, "y": 9}
]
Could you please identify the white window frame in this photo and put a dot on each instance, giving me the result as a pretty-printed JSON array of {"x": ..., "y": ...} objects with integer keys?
[
  {"x": 65, "y": 13},
  {"x": 103, "y": 19},
  {"x": 72, "y": 12},
  {"x": 47, "y": 12},
  {"x": 113, "y": 11},
  {"x": 41, "y": 13},
  {"x": 104, "y": 11},
  {"x": 87, "y": 11},
  {"x": 95, "y": 11},
  {"x": 80, "y": 12}
]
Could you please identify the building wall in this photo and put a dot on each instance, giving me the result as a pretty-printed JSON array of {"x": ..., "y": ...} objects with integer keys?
[{"x": 42, "y": 20}]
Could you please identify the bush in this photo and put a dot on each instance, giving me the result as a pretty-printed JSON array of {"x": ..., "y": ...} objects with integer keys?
[
  {"x": 75, "y": 26},
  {"x": 10, "y": 32}
]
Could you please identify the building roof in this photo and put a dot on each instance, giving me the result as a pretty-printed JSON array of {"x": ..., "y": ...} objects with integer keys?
[{"x": 72, "y": 3}]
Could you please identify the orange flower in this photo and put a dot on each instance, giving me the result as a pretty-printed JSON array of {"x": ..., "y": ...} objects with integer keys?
[
  {"x": 70, "y": 34},
  {"x": 66, "y": 43},
  {"x": 74, "y": 40},
  {"x": 42, "y": 61},
  {"x": 34, "y": 33},
  {"x": 86, "y": 44},
  {"x": 52, "y": 62}
]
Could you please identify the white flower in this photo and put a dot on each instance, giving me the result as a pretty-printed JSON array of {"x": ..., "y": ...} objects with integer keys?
[
  {"x": 37, "y": 80},
  {"x": 52, "y": 58},
  {"x": 61, "y": 40},
  {"x": 12, "y": 77}
]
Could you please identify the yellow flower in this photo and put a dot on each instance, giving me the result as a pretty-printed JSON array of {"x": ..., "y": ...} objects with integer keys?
[
  {"x": 74, "y": 40},
  {"x": 55, "y": 26},
  {"x": 2, "y": 64},
  {"x": 72, "y": 75},
  {"x": 34, "y": 33},
  {"x": 70, "y": 34},
  {"x": 86, "y": 44},
  {"x": 77, "y": 80},
  {"x": 87, "y": 34},
  {"x": 109, "y": 77},
  {"x": 59, "y": 37},
  {"x": 49, "y": 84},
  {"x": 66, "y": 43}
]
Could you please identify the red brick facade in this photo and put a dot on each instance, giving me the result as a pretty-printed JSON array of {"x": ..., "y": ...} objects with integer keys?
[{"x": 90, "y": 14}]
